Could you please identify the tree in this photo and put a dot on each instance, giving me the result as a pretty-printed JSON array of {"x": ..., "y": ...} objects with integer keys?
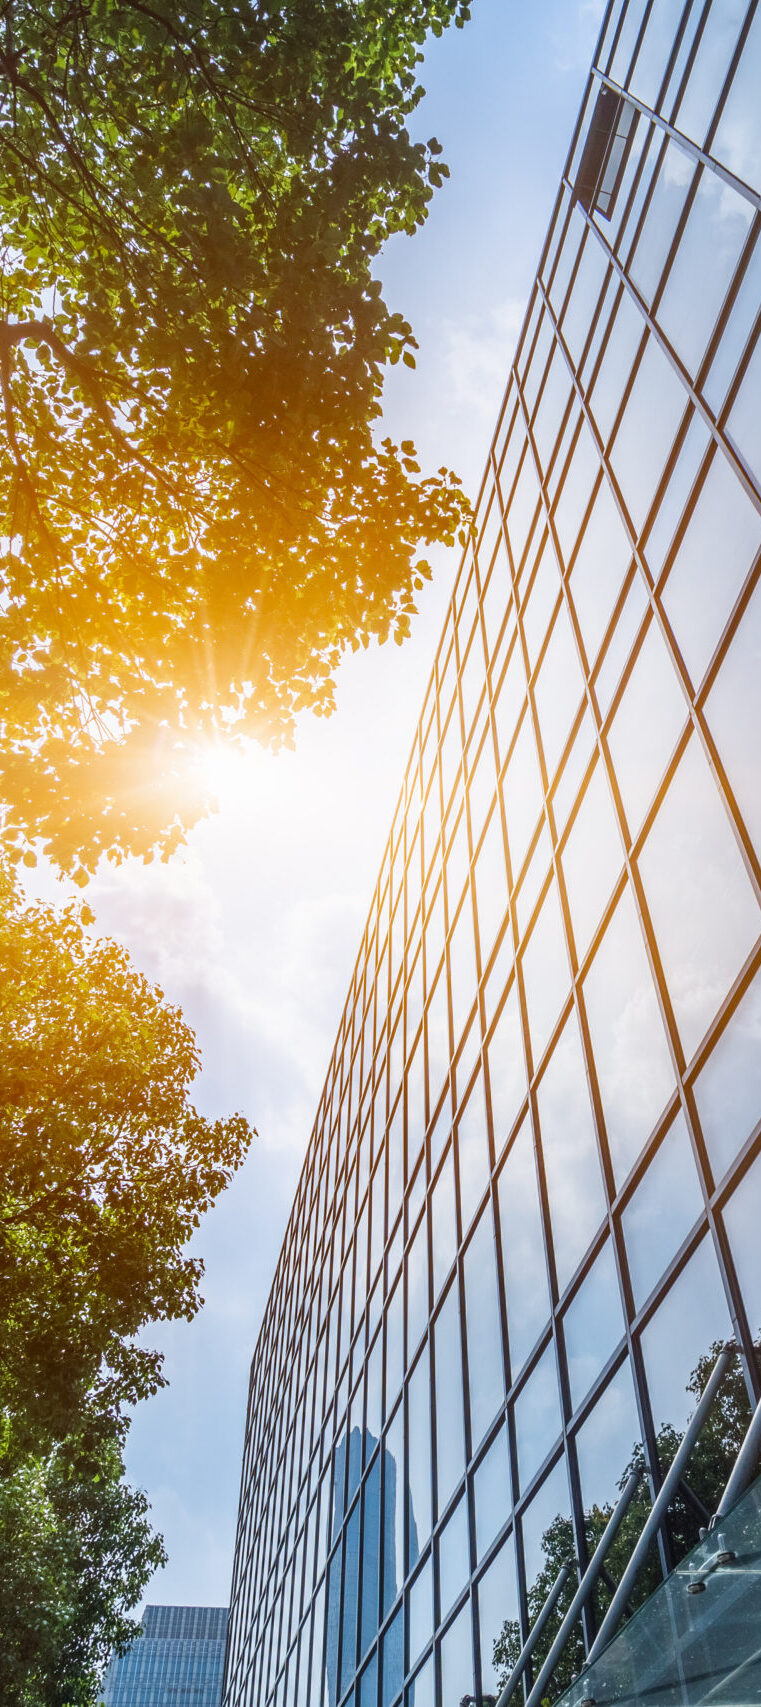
[
  {"x": 105, "y": 1171},
  {"x": 197, "y": 517},
  {"x": 708, "y": 1472}
]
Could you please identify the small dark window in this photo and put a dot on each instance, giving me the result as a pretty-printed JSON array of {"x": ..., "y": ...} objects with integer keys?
[{"x": 602, "y": 163}]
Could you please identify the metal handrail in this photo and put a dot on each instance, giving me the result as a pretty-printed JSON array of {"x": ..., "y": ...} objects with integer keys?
[{"x": 535, "y": 1632}]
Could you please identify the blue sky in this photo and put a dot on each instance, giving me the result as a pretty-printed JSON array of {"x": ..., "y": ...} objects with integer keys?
[{"x": 253, "y": 929}]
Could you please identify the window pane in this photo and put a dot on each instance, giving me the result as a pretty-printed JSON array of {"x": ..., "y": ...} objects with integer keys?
[
  {"x": 691, "y": 1318},
  {"x": 537, "y": 1417},
  {"x": 664, "y": 1207},
  {"x": 704, "y": 911},
  {"x": 728, "y": 1090},
  {"x": 646, "y": 726},
  {"x": 462, "y": 968},
  {"x": 737, "y": 142},
  {"x": 419, "y": 1439},
  {"x": 421, "y": 1690},
  {"x": 741, "y": 1222},
  {"x": 450, "y": 1435},
  {"x": 545, "y": 1520},
  {"x": 420, "y": 1612},
  {"x": 507, "y": 1071},
  {"x": 498, "y": 1614},
  {"x": 546, "y": 972},
  {"x": 631, "y": 1055},
  {"x": 491, "y": 886},
  {"x": 569, "y": 1147},
  {"x": 523, "y": 795},
  {"x": 457, "y": 1659},
  {"x": 454, "y": 1556},
  {"x": 724, "y": 530},
  {"x": 443, "y": 1224},
  {"x": 559, "y": 688},
  {"x": 593, "y": 1324},
  {"x": 349, "y": 1608},
  {"x": 484, "y": 1328},
  {"x": 709, "y": 248},
  {"x": 492, "y": 1495},
  {"x": 523, "y": 1260},
  {"x": 606, "y": 1441},
  {"x": 545, "y": 588},
  {"x": 472, "y": 1152},
  {"x": 733, "y": 710},
  {"x": 371, "y": 1551},
  {"x": 647, "y": 431},
  {"x": 393, "y": 1661},
  {"x": 592, "y": 860}
]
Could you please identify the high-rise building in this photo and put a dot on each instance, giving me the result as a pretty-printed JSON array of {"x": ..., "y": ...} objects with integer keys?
[
  {"x": 177, "y": 1661},
  {"x": 531, "y": 1202}
]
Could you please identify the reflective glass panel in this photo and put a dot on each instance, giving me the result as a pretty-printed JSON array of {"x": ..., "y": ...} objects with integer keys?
[
  {"x": 692, "y": 1317},
  {"x": 523, "y": 795},
  {"x": 592, "y": 860},
  {"x": 629, "y": 1046},
  {"x": 450, "y": 1434},
  {"x": 484, "y": 1328},
  {"x": 492, "y": 1496},
  {"x": 419, "y": 1438},
  {"x": 704, "y": 911},
  {"x": 646, "y": 725},
  {"x": 647, "y": 431},
  {"x": 420, "y": 1612},
  {"x": 472, "y": 1152},
  {"x": 741, "y": 1219},
  {"x": 498, "y": 1614},
  {"x": 457, "y": 1658},
  {"x": 722, "y": 538},
  {"x": 733, "y": 711},
  {"x": 606, "y": 1441},
  {"x": 569, "y": 1148},
  {"x": 593, "y": 1324},
  {"x": 443, "y": 1224},
  {"x": 537, "y": 1417},
  {"x": 546, "y": 972},
  {"x": 728, "y": 1090},
  {"x": 454, "y": 1556},
  {"x": 523, "y": 1259},
  {"x": 664, "y": 1207}
]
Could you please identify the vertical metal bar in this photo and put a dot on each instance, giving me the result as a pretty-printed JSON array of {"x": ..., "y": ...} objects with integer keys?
[
  {"x": 660, "y": 1506},
  {"x": 535, "y": 1632},
  {"x": 585, "y": 1588},
  {"x": 743, "y": 1467}
]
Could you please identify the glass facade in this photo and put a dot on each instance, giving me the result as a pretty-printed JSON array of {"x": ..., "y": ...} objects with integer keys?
[
  {"x": 179, "y": 1656},
  {"x": 531, "y": 1200}
]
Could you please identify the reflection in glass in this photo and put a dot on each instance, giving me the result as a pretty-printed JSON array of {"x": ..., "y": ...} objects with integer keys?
[
  {"x": 394, "y": 1345},
  {"x": 601, "y": 563},
  {"x": 691, "y": 1318},
  {"x": 546, "y": 972},
  {"x": 393, "y": 1512},
  {"x": 368, "y": 1688},
  {"x": 443, "y": 1224},
  {"x": 523, "y": 795},
  {"x": 416, "y": 1269},
  {"x": 537, "y": 1417},
  {"x": 419, "y": 1465},
  {"x": 491, "y": 1493},
  {"x": 420, "y": 1612},
  {"x": 392, "y": 1667},
  {"x": 592, "y": 859},
  {"x": 523, "y": 1258},
  {"x": 664, "y": 1207},
  {"x": 741, "y": 1219},
  {"x": 559, "y": 688},
  {"x": 629, "y": 1045},
  {"x": 733, "y": 711},
  {"x": 454, "y": 1556},
  {"x": 705, "y": 914},
  {"x": 722, "y": 538},
  {"x": 646, "y": 726},
  {"x": 457, "y": 1660},
  {"x": 593, "y": 1324},
  {"x": 497, "y": 1603},
  {"x": 421, "y": 1690},
  {"x": 605, "y": 1441},
  {"x": 472, "y": 1152},
  {"x": 484, "y": 1328},
  {"x": 569, "y": 1148},
  {"x": 647, "y": 431},
  {"x": 728, "y": 1090},
  {"x": 450, "y": 1433},
  {"x": 491, "y": 886},
  {"x": 371, "y": 1549},
  {"x": 462, "y": 967}
]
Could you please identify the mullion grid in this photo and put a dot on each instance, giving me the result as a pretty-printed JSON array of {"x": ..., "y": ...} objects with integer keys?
[{"x": 750, "y": 1149}]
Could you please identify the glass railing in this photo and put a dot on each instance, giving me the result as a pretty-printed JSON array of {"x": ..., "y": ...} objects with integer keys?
[{"x": 698, "y": 1638}]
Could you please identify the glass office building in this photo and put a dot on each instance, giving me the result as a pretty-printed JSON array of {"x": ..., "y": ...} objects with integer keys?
[
  {"x": 177, "y": 1661},
  {"x": 531, "y": 1203}
]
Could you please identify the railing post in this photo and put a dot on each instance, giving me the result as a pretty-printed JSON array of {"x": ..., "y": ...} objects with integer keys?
[{"x": 535, "y": 1632}]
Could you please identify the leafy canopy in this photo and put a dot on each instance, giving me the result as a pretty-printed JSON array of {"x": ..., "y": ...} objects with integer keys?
[
  {"x": 197, "y": 518},
  {"x": 105, "y": 1170}
]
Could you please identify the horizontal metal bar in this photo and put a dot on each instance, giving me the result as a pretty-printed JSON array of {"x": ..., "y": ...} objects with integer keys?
[
  {"x": 660, "y": 1505},
  {"x": 585, "y": 1587}
]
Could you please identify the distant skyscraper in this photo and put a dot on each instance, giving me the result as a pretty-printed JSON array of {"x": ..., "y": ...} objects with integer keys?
[
  {"x": 178, "y": 1661},
  {"x": 532, "y": 1198}
]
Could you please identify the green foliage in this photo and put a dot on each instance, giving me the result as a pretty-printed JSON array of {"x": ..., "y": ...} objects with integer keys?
[
  {"x": 105, "y": 1170},
  {"x": 77, "y": 1550},
  {"x": 192, "y": 350},
  {"x": 708, "y": 1472}
]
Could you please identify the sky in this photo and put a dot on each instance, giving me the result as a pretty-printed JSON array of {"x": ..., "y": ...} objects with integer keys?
[{"x": 254, "y": 927}]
